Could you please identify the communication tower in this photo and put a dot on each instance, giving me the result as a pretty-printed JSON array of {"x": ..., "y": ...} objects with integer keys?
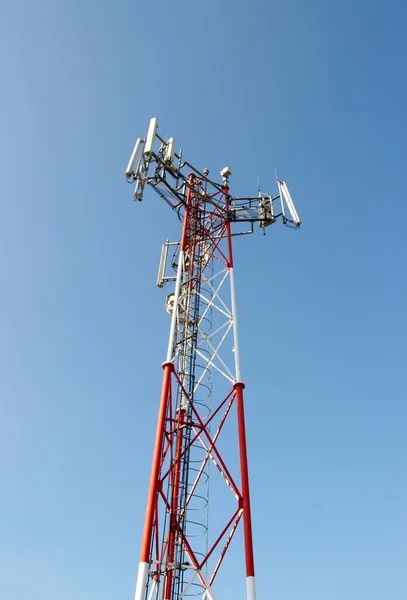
[{"x": 199, "y": 487}]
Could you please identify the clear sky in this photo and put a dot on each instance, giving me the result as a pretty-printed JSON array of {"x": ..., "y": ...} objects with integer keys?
[{"x": 317, "y": 89}]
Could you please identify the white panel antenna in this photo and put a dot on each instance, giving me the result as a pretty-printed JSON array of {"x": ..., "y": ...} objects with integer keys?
[
  {"x": 137, "y": 168},
  {"x": 150, "y": 139},
  {"x": 139, "y": 187},
  {"x": 161, "y": 268},
  {"x": 170, "y": 151},
  {"x": 285, "y": 197},
  {"x": 133, "y": 157}
]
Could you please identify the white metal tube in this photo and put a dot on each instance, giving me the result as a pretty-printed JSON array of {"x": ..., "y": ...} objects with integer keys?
[
  {"x": 250, "y": 588},
  {"x": 208, "y": 591},
  {"x": 234, "y": 320},
  {"x": 191, "y": 581},
  {"x": 176, "y": 300},
  {"x": 153, "y": 589},
  {"x": 141, "y": 581}
]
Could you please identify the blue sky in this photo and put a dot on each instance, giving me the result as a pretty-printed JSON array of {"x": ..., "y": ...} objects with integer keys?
[{"x": 316, "y": 89}]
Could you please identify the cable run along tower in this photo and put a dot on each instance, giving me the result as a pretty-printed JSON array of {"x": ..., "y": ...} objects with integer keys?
[{"x": 198, "y": 495}]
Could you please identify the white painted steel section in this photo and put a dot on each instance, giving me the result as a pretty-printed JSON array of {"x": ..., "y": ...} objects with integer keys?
[
  {"x": 250, "y": 588},
  {"x": 152, "y": 590},
  {"x": 205, "y": 584},
  {"x": 235, "y": 331},
  {"x": 211, "y": 304},
  {"x": 210, "y": 363},
  {"x": 176, "y": 300},
  {"x": 188, "y": 586},
  {"x": 141, "y": 581},
  {"x": 217, "y": 275},
  {"x": 215, "y": 292},
  {"x": 219, "y": 329}
]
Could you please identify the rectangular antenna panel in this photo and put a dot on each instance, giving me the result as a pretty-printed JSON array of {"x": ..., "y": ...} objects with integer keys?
[
  {"x": 161, "y": 268},
  {"x": 285, "y": 194},
  {"x": 150, "y": 139},
  {"x": 133, "y": 157},
  {"x": 170, "y": 150}
]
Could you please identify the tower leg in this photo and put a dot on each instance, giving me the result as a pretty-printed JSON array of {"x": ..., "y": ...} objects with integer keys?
[
  {"x": 154, "y": 480},
  {"x": 244, "y": 473}
]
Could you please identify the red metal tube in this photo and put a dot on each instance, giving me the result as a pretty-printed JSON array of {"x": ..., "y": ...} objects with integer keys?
[
  {"x": 187, "y": 212},
  {"x": 244, "y": 471},
  {"x": 155, "y": 468},
  {"x": 174, "y": 504}
]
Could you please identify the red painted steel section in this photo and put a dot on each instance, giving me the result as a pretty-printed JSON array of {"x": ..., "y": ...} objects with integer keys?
[
  {"x": 175, "y": 502},
  {"x": 228, "y": 228},
  {"x": 219, "y": 538},
  {"x": 155, "y": 468},
  {"x": 170, "y": 443},
  {"x": 244, "y": 471},
  {"x": 222, "y": 466},
  {"x": 187, "y": 213},
  {"x": 225, "y": 548}
]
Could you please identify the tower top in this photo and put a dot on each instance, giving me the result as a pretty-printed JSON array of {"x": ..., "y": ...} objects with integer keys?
[{"x": 155, "y": 161}]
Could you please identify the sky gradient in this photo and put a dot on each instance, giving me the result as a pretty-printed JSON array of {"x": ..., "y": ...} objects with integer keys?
[{"x": 315, "y": 89}]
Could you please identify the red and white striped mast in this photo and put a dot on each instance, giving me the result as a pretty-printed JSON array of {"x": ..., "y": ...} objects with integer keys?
[{"x": 184, "y": 542}]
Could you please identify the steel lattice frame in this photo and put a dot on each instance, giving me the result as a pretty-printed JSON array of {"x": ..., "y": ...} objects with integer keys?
[
  {"x": 202, "y": 389},
  {"x": 205, "y": 260}
]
